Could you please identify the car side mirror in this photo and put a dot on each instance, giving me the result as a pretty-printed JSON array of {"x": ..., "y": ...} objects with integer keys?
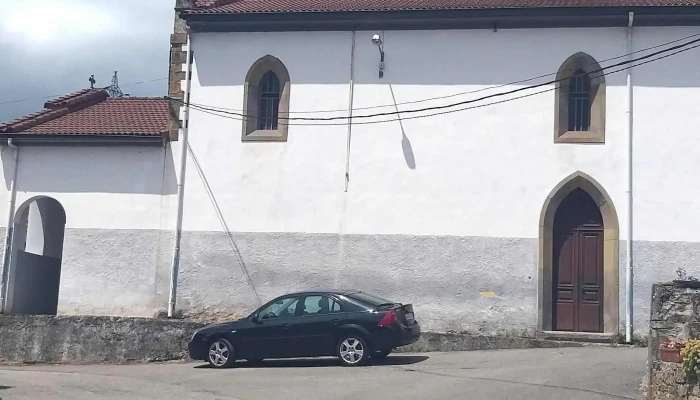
[{"x": 255, "y": 319}]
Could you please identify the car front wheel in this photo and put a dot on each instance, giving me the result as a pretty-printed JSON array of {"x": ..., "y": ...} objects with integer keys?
[
  {"x": 221, "y": 354},
  {"x": 353, "y": 351}
]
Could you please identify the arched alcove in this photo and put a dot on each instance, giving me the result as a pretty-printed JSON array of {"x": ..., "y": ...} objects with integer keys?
[{"x": 36, "y": 255}]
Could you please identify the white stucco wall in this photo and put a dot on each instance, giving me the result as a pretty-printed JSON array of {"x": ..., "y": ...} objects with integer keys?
[
  {"x": 477, "y": 174},
  {"x": 438, "y": 211},
  {"x": 114, "y": 200},
  {"x": 469, "y": 166}
]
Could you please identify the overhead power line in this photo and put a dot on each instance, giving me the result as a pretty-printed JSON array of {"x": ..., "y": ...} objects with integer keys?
[
  {"x": 63, "y": 94},
  {"x": 598, "y": 72},
  {"x": 442, "y": 107},
  {"x": 397, "y": 104},
  {"x": 480, "y": 89}
]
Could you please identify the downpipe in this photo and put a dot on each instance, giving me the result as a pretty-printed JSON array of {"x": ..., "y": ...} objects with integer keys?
[
  {"x": 175, "y": 266},
  {"x": 629, "y": 273},
  {"x": 10, "y": 227}
]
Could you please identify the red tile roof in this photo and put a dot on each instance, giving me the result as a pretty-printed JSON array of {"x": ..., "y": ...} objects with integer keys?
[
  {"x": 288, "y": 6},
  {"x": 92, "y": 112}
]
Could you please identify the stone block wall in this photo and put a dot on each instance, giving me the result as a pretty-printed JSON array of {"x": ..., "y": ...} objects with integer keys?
[
  {"x": 77, "y": 339},
  {"x": 674, "y": 316}
]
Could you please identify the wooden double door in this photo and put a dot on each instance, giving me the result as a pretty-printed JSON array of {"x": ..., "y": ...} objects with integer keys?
[{"x": 578, "y": 265}]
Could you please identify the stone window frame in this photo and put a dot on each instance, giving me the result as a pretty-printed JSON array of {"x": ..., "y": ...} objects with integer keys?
[
  {"x": 596, "y": 130},
  {"x": 251, "y": 95}
]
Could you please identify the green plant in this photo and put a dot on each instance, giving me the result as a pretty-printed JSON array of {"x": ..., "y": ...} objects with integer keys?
[
  {"x": 683, "y": 276},
  {"x": 691, "y": 357}
]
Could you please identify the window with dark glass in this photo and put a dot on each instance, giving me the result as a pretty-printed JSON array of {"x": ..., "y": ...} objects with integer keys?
[
  {"x": 269, "y": 101},
  {"x": 579, "y": 101}
]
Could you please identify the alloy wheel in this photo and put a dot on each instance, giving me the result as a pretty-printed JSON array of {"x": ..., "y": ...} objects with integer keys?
[
  {"x": 219, "y": 353},
  {"x": 352, "y": 350}
]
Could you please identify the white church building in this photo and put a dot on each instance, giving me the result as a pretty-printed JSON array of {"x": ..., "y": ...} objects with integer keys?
[{"x": 488, "y": 161}]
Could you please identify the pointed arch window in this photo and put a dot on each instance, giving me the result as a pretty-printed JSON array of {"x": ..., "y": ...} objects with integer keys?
[
  {"x": 580, "y": 101},
  {"x": 266, "y": 101},
  {"x": 269, "y": 101}
]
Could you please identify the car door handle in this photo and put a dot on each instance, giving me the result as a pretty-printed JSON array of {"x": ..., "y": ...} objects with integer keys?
[
  {"x": 336, "y": 321},
  {"x": 285, "y": 326}
]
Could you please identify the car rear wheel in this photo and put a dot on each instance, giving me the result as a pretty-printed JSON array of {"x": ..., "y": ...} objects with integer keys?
[
  {"x": 221, "y": 354},
  {"x": 353, "y": 351},
  {"x": 380, "y": 353}
]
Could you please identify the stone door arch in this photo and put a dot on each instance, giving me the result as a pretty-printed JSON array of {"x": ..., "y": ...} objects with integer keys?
[{"x": 610, "y": 257}]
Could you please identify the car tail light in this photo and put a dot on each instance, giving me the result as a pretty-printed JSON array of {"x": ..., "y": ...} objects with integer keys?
[{"x": 389, "y": 319}]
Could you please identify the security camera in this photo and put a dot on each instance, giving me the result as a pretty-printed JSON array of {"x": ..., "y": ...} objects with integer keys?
[{"x": 376, "y": 39}]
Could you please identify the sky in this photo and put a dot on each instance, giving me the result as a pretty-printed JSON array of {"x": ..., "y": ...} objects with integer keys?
[{"x": 51, "y": 47}]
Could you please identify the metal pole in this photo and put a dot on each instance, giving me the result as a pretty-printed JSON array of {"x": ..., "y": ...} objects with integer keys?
[
  {"x": 10, "y": 227},
  {"x": 350, "y": 102},
  {"x": 181, "y": 185},
  {"x": 629, "y": 273}
]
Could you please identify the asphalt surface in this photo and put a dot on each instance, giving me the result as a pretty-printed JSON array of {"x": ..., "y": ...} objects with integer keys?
[{"x": 573, "y": 373}]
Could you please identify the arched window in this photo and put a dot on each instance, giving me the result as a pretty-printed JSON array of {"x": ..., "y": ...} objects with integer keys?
[
  {"x": 580, "y": 101},
  {"x": 266, "y": 101},
  {"x": 269, "y": 101}
]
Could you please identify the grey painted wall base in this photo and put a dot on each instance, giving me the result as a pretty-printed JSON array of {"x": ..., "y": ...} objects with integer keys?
[
  {"x": 45, "y": 339},
  {"x": 480, "y": 285}
]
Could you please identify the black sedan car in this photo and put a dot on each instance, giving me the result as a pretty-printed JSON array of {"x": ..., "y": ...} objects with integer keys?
[{"x": 349, "y": 324}]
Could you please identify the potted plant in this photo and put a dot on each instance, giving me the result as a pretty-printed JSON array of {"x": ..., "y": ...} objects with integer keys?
[
  {"x": 670, "y": 350},
  {"x": 691, "y": 357},
  {"x": 683, "y": 280}
]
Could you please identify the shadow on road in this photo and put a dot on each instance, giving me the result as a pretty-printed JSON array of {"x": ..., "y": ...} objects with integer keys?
[{"x": 324, "y": 362}]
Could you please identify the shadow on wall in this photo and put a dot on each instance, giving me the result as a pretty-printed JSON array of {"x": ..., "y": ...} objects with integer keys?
[
  {"x": 472, "y": 57},
  {"x": 137, "y": 170},
  {"x": 405, "y": 142}
]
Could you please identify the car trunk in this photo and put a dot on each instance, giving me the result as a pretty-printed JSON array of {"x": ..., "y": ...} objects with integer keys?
[{"x": 404, "y": 313}]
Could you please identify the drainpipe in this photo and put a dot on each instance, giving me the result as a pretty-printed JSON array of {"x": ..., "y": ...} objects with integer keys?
[
  {"x": 352, "y": 88},
  {"x": 181, "y": 185},
  {"x": 630, "y": 124},
  {"x": 10, "y": 227}
]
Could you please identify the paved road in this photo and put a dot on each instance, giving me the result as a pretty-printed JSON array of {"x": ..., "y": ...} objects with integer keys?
[{"x": 576, "y": 373}]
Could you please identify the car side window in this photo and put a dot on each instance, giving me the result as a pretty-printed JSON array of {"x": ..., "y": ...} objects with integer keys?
[
  {"x": 283, "y": 308},
  {"x": 317, "y": 305}
]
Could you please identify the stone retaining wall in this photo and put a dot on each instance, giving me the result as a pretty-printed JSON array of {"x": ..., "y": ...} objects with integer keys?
[
  {"x": 79, "y": 339},
  {"x": 86, "y": 339},
  {"x": 674, "y": 316}
]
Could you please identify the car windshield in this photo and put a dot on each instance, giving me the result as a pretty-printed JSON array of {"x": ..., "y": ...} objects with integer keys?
[{"x": 371, "y": 299}]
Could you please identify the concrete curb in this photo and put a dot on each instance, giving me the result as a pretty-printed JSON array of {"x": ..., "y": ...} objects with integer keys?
[{"x": 442, "y": 342}]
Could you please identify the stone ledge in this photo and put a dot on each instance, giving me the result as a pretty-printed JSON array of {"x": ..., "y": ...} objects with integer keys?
[
  {"x": 607, "y": 338},
  {"x": 442, "y": 342}
]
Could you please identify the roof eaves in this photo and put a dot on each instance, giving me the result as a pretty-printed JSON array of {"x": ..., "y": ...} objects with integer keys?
[{"x": 86, "y": 139}]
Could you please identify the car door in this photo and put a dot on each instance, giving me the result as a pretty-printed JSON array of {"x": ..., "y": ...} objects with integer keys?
[
  {"x": 272, "y": 334},
  {"x": 318, "y": 319}
]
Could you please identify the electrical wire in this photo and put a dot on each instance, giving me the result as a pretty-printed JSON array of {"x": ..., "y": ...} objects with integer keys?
[
  {"x": 442, "y": 107},
  {"x": 399, "y": 118},
  {"x": 397, "y": 104},
  {"x": 480, "y": 89},
  {"x": 63, "y": 94}
]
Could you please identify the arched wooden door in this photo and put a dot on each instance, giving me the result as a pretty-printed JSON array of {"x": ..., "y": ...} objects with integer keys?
[{"x": 578, "y": 265}]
